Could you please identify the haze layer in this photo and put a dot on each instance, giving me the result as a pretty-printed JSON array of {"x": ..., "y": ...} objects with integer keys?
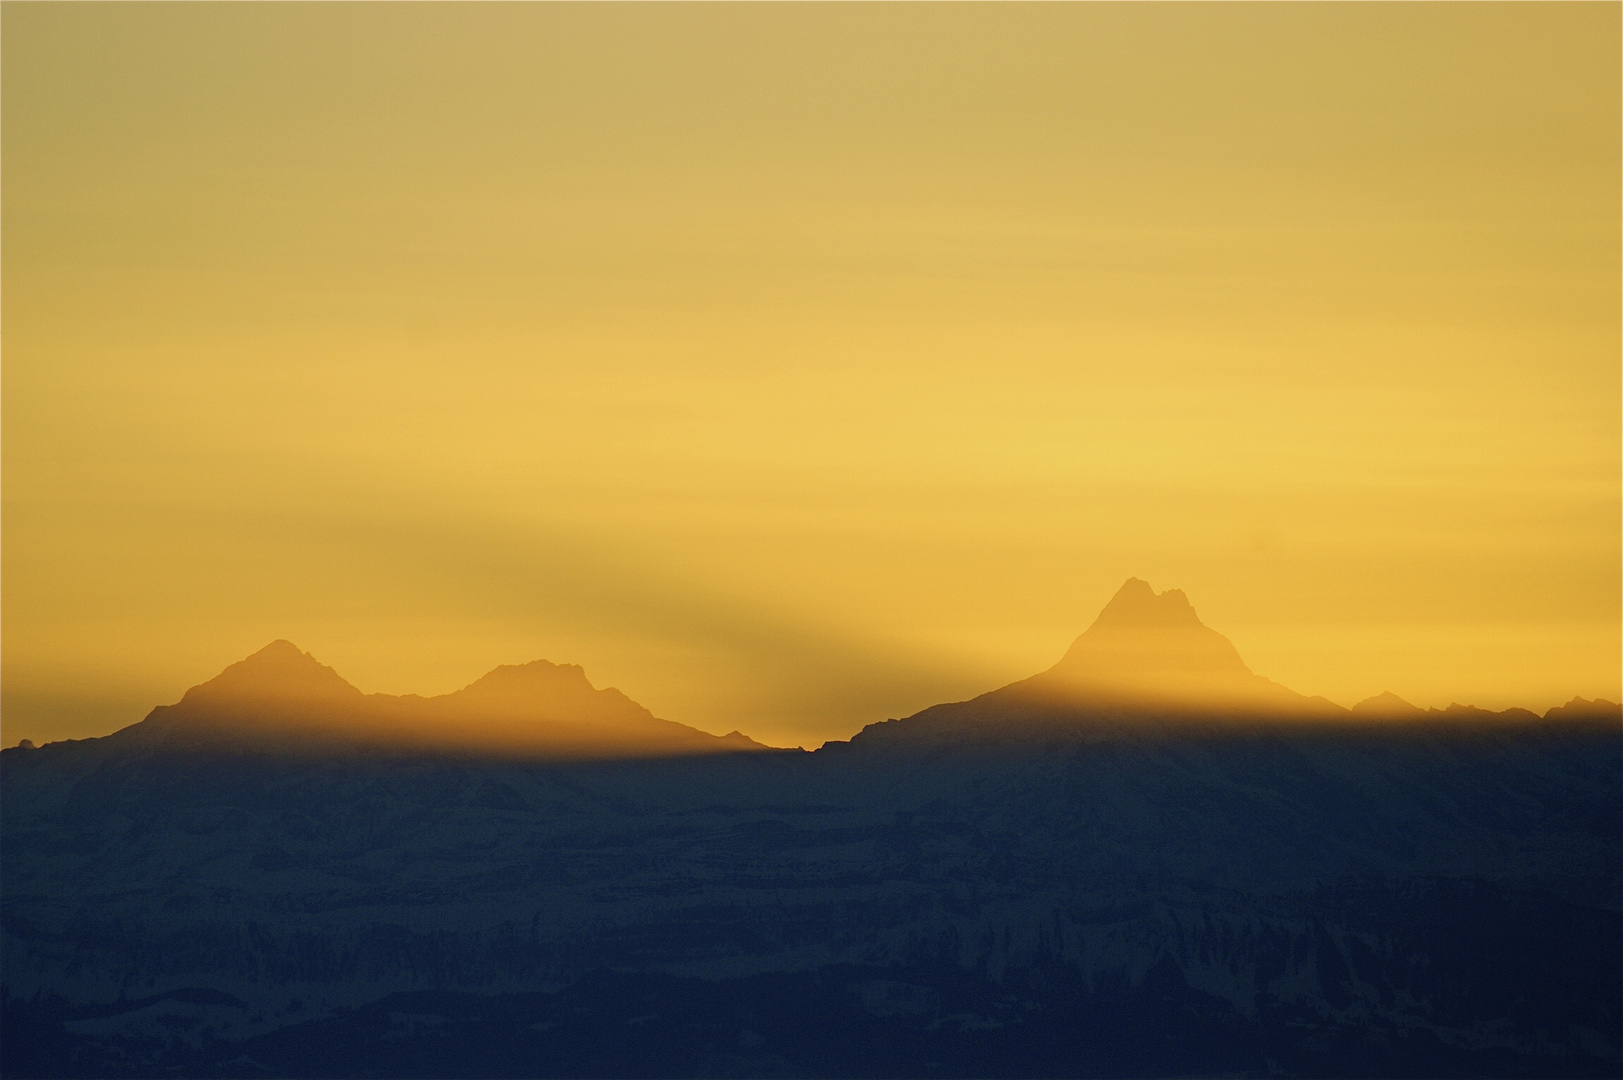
[{"x": 792, "y": 367}]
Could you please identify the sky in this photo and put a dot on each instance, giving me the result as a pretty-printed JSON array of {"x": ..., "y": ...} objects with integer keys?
[{"x": 792, "y": 367}]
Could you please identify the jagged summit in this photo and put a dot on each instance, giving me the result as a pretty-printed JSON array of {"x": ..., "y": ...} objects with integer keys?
[
  {"x": 281, "y": 697},
  {"x": 1138, "y": 606},
  {"x": 278, "y": 675},
  {"x": 1145, "y": 637},
  {"x": 1582, "y": 709},
  {"x": 1150, "y": 651},
  {"x": 557, "y": 693},
  {"x": 537, "y": 674},
  {"x": 1146, "y": 655}
]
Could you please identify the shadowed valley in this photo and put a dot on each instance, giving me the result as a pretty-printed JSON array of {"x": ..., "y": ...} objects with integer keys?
[{"x": 1145, "y": 861}]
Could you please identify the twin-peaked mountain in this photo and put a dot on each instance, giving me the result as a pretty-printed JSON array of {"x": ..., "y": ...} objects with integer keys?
[{"x": 284, "y": 699}]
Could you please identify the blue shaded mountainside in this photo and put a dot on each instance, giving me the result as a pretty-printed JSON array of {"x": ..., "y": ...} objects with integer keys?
[{"x": 1147, "y": 861}]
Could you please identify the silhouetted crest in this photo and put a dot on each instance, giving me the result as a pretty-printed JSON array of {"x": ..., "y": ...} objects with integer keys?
[
  {"x": 279, "y": 673},
  {"x": 283, "y": 698},
  {"x": 1136, "y": 605},
  {"x": 1142, "y": 634},
  {"x": 1583, "y": 709},
  {"x": 1151, "y": 649},
  {"x": 540, "y": 688},
  {"x": 1387, "y": 705}
]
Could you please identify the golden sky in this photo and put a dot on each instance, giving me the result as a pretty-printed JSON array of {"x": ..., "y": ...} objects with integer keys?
[{"x": 795, "y": 366}]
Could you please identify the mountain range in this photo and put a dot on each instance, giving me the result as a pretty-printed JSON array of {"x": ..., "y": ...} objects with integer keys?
[
  {"x": 1145, "y": 861},
  {"x": 285, "y": 699},
  {"x": 1147, "y": 655}
]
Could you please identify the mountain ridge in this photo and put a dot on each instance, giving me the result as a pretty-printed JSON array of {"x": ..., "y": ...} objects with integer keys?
[
  {"x": 1146, "y": 656},
  {"x": 1038, "y": 882},
  {"x": 1147, "y": 663},
  {"x": 284, "y": 699}
]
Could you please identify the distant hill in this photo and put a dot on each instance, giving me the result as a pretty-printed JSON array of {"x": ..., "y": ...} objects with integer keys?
[
  {"x": 285, "y": 700},
  {"x": 1387, "y": 705}
]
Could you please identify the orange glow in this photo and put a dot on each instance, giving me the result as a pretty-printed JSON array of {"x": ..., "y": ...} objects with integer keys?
[{"x": 794, "y": 366}]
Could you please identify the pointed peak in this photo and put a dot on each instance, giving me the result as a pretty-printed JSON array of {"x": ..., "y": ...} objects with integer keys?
[
  {"x": 280, "y": 653},
  {"x": 1148, "y": 646},
  {"x": 283, "y": 659},
  {"x": 279, "y": 671},
  {"x": 280, "y": 650},
  {"x": 1136, "y": 604}
]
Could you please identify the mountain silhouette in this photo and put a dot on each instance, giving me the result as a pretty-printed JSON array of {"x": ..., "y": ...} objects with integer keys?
[
  {"x": 281, "y": 698},
  {"x": 1387, "y": 705},
  {"x": 277, "y": 679},
  {"x": 1150, "y": 650},
  {"x": 1146, "y": 658},
  {"x": 1145, "y": 861},
  {"x": 1584, "y": 709},
  {"x": 1144, "y": 633}
]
